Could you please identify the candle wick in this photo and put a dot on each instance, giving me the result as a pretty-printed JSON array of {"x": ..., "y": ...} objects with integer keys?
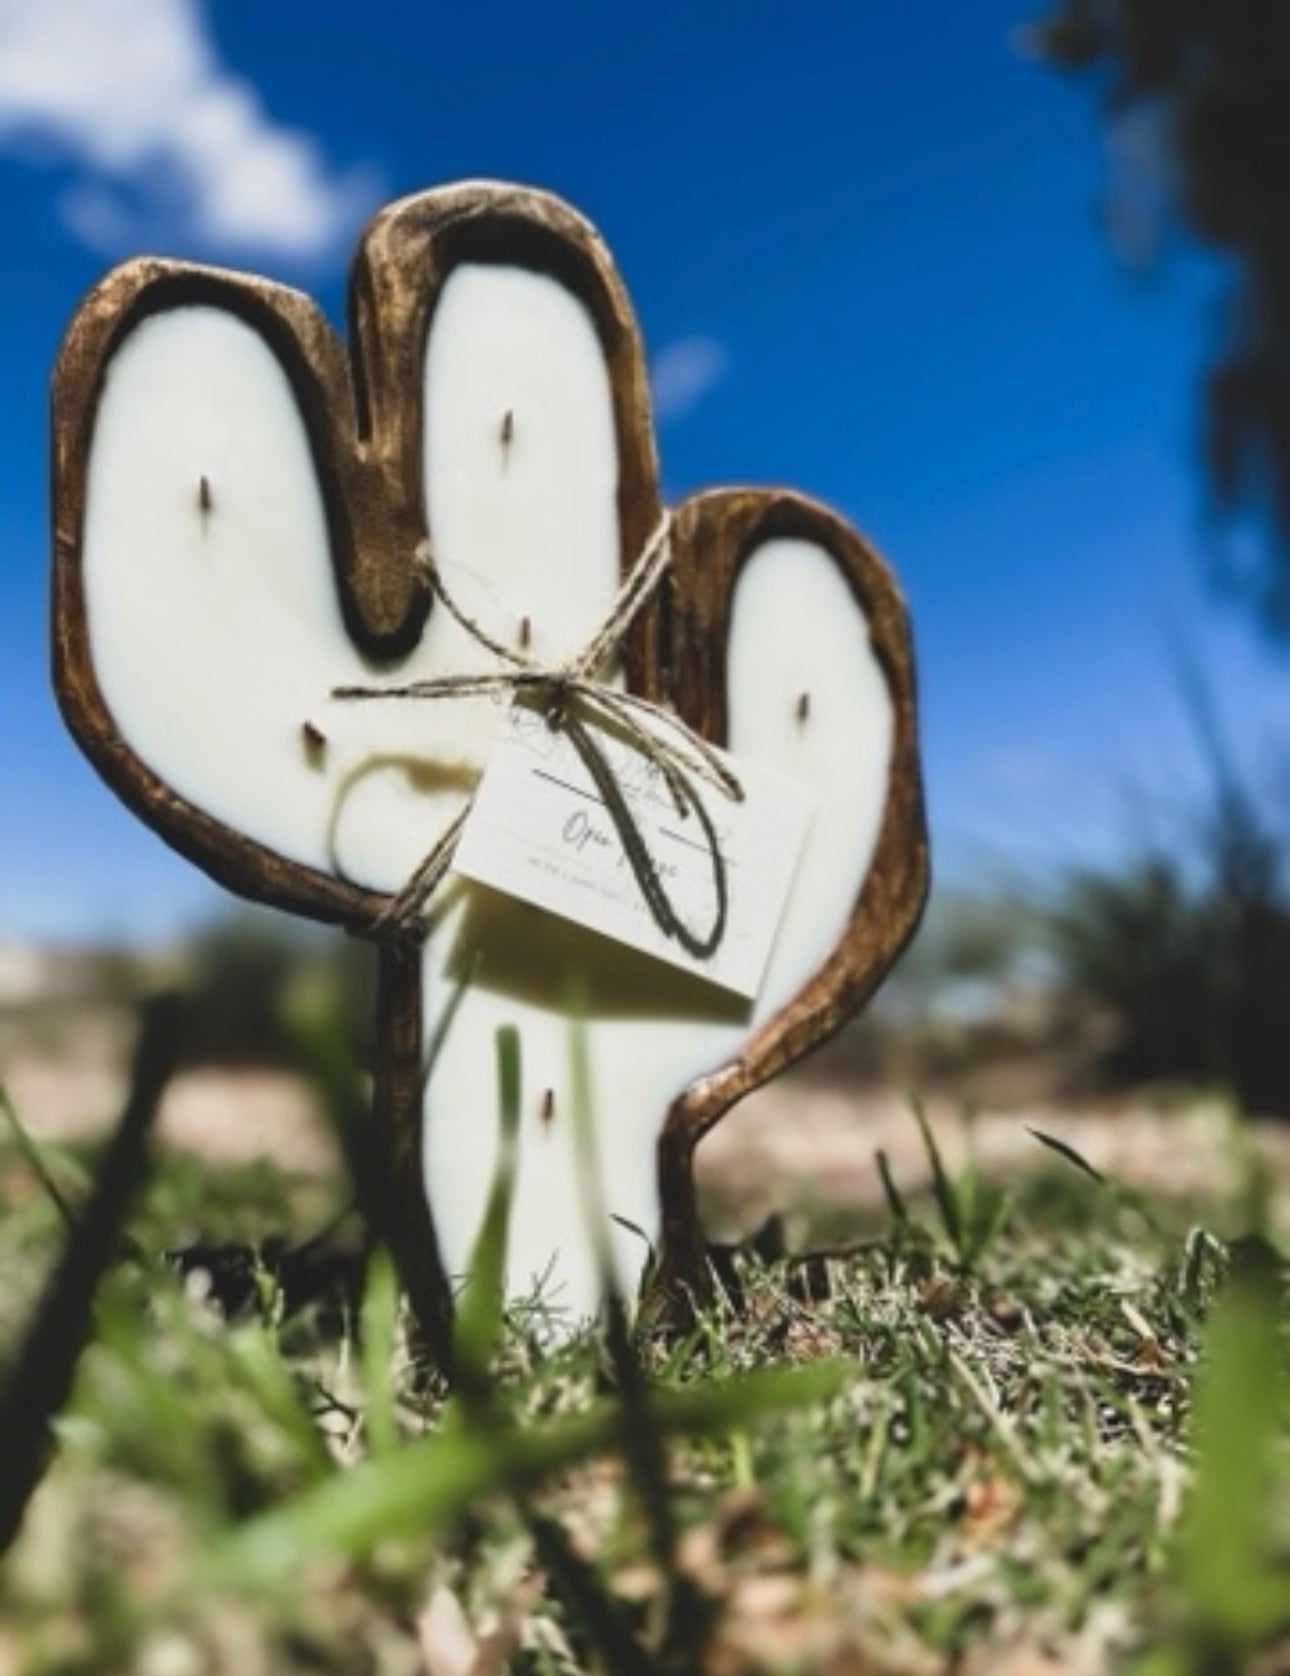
[
  {"x": 803, "y": 706},
  {"x": 507, "y": 433},
  {"x": 526, "y": 633},
  {"x": 578, "y": 701},
  {"x": 204, "y": 502},
  {"x": 548, "y": 1106},
  {"x": 315, "y": 743}
]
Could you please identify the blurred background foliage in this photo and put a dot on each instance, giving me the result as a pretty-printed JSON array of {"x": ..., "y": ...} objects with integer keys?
[
  {"x": 1187, "y": 948},
  {"x": 1170, "y": 966},
  {"x": 1195, "y": 96},
  {"x": 249, "y": 972},
  {"x": 1187, "y": 955}
]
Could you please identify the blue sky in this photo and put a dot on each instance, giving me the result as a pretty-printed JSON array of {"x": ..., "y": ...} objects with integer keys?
[{"x": 864, "y": 243}]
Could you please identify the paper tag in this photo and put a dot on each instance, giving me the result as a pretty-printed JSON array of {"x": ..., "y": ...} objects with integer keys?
[{"x": 540, "y": 831}]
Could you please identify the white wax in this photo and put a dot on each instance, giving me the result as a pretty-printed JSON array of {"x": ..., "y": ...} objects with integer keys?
[
  {"x": 217, "y": 635},
  {"x": 796, "y": 628}
]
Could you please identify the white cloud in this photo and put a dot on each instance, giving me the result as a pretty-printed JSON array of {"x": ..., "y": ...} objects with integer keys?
[
  {"x": 683, "y": 373},
  {"x": 170, "y": 139}
]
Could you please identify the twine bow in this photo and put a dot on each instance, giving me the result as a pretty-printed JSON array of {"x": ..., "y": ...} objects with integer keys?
[{"x": 576, "y": 700}]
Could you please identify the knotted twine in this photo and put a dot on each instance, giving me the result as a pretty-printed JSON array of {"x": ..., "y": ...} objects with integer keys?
[{"x": 576, "y": 699}]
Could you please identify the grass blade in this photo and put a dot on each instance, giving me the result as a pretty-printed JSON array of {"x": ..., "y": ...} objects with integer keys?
[
  {"x": 374, "y": 1134},
  {"x": 432, "y": 1482},
  {"x": 1064, "y": 1150},
  {"x": 45, "y": 1369},
  {"x": 895, "y": 1198},
  {"x": 380, "y": 1331},
  {"x": 253, "y": 1354},
  {"x": 34, "y": 1157},
  {"x": 481, "y": 1313},
  {"x": 1228, "y": 1542},
  {"x": 594, "y": 1608},
  {"x": 943, "y": 1189}
]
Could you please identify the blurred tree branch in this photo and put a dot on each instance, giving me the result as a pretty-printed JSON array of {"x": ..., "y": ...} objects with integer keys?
[{"x": 1198, "y": 94}]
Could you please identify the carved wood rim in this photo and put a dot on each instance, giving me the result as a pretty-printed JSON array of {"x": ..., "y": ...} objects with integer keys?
[
  {"x": 367, "y": 453},
  {"x": 717, "y": 534},
  {"x": 367, "y": 444}
]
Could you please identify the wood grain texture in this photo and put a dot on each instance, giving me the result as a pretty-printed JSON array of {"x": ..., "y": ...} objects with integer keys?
[
  {"x": 716, "y": 534},
  {"x": 313, "y": 362},
  {"x": 364, "y": 420},
  {"x": 362, "y": 415}
]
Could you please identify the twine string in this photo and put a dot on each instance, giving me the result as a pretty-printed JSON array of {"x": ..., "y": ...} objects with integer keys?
[{"x": 577, "y": 702}]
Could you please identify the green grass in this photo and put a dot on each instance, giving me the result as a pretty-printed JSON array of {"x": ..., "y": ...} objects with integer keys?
[{"x": 1049, "y": 1427}]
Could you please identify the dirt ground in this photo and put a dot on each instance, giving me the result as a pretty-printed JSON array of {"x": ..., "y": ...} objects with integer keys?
[{"x": 805, "y": 1146}]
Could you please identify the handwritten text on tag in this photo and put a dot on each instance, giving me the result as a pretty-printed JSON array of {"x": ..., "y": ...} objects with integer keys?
[{"x": 540, "y": 831}]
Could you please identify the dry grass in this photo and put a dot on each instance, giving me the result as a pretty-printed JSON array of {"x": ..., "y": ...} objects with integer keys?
[{"x": 994, "y": 1473}]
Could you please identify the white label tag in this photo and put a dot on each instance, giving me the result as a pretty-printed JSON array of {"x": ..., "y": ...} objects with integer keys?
[{"x": 540, "y": 831}]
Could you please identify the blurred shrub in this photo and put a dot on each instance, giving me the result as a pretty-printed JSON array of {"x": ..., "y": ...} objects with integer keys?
[
  {"x": 1189, "y": 955},
  {"x": 971, "y": 948},
  {"x": 971, "y": 993},
  {"x": 246, "y": 973}
]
